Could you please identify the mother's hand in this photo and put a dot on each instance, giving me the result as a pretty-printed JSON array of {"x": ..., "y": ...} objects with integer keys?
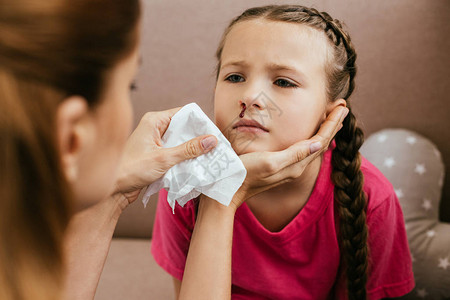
[
  {"x": 145, "y": 160},
  {"x": 266, "y": 169}
]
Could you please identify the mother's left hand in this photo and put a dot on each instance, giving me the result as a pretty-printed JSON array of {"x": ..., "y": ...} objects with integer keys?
[{"x": 145, "y": 160}]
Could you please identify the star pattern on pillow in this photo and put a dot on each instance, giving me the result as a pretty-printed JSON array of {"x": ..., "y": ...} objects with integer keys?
[
  {"x": 412, "y": 163},
  {"x": 389, "y": 162},
  {"x": 444, "y": 263},
  {"x": 420, "y": 169},
  {"x": 411, "y": 140},
  {"x": 426, "y": 204},
  {"x": 399, "y": 193},
  {"x": 431, "y": 233},
  {"x": 382, "y": 138},
  {"x": 422, "y": 293}
]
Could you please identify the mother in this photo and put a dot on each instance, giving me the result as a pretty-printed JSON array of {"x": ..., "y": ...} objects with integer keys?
[{"x": 67, "y": 170}]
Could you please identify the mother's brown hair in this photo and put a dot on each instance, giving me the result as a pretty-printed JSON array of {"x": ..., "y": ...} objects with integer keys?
[
  {"x": 347, "y": 176},
  {"x": 49, "y": 50}
]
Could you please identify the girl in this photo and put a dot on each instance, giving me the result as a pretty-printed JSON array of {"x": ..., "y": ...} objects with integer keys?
[{"x": 337, "y": 230}]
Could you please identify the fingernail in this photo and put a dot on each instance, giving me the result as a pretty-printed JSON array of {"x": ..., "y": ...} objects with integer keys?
[
  {"x": 344, "y": 113},
  {"x": 209, "y": 143},
  {"x": 314, "y": 147}
]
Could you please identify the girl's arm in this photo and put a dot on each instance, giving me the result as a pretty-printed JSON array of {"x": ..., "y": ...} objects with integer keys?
[{"x": 207, "y": 273}]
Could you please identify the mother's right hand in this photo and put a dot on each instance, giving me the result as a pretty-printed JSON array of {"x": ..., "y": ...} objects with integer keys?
[
  {"x": 145, "y": 159},
  {"x": 266, "y": 170}
]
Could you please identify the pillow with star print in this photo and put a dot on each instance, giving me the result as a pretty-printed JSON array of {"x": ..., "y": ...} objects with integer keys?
[{"x": 415, "y": 168}]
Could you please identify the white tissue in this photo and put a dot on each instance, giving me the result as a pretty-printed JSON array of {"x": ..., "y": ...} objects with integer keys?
[{"x": 218, "y": 174}]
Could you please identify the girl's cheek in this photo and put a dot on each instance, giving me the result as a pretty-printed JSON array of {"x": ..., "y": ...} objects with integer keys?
[
  {"x": 221, "y": 109},
  {"x": 304, "y": 121},
  {"x": 220, "y": 122}
]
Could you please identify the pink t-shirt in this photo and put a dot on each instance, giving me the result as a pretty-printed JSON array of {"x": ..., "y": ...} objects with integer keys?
[{"x": 302, "y": 260}]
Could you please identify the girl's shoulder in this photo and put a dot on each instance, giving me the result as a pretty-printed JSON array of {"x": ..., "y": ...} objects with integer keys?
[
  {"x": 376, "y": 186},
  {"x": 182, "y": 217}
]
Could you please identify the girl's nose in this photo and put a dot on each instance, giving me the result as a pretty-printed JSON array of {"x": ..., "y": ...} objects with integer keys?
[{"x": 256, "y": 102}]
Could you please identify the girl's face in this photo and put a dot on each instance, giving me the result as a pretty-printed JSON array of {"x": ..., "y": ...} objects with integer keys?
[{"x": 277, "y": 69}]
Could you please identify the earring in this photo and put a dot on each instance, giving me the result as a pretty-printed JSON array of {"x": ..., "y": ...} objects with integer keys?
[{"x": 244, "y": 107}]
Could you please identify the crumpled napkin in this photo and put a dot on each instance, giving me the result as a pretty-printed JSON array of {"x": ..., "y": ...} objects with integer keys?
[{"x": 218, "y": 174}]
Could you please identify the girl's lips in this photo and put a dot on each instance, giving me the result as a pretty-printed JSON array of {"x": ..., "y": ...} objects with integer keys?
[
  {"x": 252, "y": 126},
  {"x": 250, "y": 129}
]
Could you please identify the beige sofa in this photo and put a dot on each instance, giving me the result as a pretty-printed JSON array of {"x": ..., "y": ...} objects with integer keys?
[
  {"x": 130, "y": 271},
  {"x": 402, "y": 81}
]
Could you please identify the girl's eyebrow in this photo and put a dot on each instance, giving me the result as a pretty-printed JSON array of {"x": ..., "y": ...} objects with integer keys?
[
  {"x": 238, "y": 63},
  {"x": 280, "y": 67}
]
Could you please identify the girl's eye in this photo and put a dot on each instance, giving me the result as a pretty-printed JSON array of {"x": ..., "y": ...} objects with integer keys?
[
  {"x": 235, "y": 78},
  {"x": 284, "y": 83}
]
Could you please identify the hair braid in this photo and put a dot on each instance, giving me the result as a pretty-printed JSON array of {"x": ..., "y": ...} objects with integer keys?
[
  {"x": 347, "y": 176},
  {"x": 346, "y": 160},
  {"x": 348, "y": 180}
]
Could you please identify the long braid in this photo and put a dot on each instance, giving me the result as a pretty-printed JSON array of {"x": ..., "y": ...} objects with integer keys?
[
  {"x": 348, "y": 177},
  {"x": 348, "y": 180},
  {"x": 346, "y": 160}
]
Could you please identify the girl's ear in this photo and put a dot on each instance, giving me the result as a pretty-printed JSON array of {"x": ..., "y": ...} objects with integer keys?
[
  {"x": 332, "y": 105},
  {"x": 74, "y": 126}
]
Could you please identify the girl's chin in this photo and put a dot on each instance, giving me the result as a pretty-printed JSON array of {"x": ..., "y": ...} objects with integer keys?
[
  {"x": 249, "y": 147},
  {"x": 244, "y": 143}
]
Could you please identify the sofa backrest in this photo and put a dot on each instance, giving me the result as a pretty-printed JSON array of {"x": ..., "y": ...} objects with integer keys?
[{"x": 402, "y": 80}]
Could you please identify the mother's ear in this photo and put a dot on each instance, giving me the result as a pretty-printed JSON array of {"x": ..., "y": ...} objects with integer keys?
[{"x": 74, "y": 132}]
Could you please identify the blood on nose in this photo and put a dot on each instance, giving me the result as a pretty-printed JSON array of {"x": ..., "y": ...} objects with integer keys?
[{"x": 241, "y": 115}]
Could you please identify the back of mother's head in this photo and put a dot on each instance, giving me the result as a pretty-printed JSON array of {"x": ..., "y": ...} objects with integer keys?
[{"x": 49, "y": 50}]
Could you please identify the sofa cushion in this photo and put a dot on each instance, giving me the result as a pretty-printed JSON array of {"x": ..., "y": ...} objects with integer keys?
[
  {"x": 414, "y": 166},
  {"x": 137, "y": 221},
  {"x": 131, "y": 273}
]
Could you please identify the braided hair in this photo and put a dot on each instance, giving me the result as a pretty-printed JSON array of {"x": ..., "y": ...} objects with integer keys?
[{"x": 346, "y": 161}]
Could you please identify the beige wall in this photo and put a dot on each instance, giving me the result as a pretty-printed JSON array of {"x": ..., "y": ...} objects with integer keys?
[{"x": 403, "y": 78}]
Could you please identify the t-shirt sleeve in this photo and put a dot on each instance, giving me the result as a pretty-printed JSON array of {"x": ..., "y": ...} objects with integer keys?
[
  {"x": 390, "y": 263},
  {"x": 171, "y": 235}
]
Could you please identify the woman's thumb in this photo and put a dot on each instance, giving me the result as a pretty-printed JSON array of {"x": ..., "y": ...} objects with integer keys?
[{"x": 192, "y": 148}]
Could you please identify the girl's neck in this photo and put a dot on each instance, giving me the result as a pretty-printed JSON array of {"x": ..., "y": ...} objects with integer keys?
[
  {"x": 301, "y": 185},
  {"x": 276, "y": 207}
]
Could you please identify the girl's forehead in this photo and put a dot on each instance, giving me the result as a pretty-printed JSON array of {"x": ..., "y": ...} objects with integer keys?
[{"x": 275, "y": 40}]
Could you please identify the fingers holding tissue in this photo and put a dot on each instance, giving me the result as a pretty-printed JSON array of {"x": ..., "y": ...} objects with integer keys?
[
  {"x": 190, "y": 149},
  {"x": 145, "y": 160},
  {"x": 217, "y": 174}
]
